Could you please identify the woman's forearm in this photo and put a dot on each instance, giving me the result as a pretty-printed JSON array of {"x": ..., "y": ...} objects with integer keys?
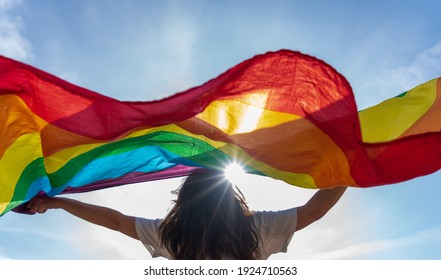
[
  {"x": 324, "y": 200},
  {"x": 98, "y": 215},
  {"x": 95, "y": 214},
  {"x": 319, "y": 204}
]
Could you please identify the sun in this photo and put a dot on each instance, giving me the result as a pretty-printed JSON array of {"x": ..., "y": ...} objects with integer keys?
[{"x": 234, "y": 172}]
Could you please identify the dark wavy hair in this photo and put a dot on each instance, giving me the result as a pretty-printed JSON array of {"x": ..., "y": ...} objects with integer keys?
[{"x": 209, "y": 220}]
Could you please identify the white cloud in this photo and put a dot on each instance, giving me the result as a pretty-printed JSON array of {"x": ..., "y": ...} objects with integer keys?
[
  {"x": 342, "y": 227},
  {"x": 425, "y": 66},
  {"x": 8, "y": 4},
  {"x": 12, "y": 42},
  {"x": 34, "y": 233},
  {"x": 3, "y": 255},
  {"x": 392, "y": 81},
  {"x": 361, "y": 250}
]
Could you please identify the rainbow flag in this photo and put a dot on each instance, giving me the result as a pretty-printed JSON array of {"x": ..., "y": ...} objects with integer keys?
[{"x": 282, "y": 114}]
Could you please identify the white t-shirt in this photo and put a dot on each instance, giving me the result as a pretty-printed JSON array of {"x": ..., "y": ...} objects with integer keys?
[{"x": 275, "y": 229}]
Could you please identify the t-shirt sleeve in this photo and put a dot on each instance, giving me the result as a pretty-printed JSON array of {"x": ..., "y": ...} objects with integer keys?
[
  {"x": 147, "y": 231},
  {"x": 276, "y": 229}
]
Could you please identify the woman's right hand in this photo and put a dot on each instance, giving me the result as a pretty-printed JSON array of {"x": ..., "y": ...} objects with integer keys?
[{"x": 41, "y": 204}]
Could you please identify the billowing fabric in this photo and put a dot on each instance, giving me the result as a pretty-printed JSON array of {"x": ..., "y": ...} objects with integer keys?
[{"x": 282, "y": 114}]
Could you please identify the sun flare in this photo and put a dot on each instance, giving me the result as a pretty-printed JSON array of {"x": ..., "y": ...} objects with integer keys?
[{"x": 234, "y": 172}]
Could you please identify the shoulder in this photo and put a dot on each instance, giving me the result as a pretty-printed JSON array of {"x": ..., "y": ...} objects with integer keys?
[
  {"x": 147, "y": 230},
  {"x": 275, "y": 229},
  {"x": 143, "y": 222},
  {"x": 276, "y": 219}
]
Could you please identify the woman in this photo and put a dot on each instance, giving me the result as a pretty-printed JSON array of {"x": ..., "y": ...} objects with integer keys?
[{"x": 209, "y": 220}]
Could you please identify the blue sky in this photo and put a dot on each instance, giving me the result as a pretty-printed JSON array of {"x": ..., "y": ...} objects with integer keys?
[{"x": 145, "y": 50}]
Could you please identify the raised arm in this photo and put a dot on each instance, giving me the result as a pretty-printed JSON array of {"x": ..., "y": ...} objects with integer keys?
[
  {"x": 319, "y": 204},
  {"x": 98, "y": 215}
]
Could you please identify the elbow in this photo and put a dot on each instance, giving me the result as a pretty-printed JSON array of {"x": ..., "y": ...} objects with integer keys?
[
  {"x": 117, "y": 224},
  {"x": 317, "y": 214},
  {"x": 307, "y": 216},
  {"x": 114, "y": 222}
]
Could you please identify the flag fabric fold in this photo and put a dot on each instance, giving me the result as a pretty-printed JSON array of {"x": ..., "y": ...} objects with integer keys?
[{"x": 282, "y": 114}]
